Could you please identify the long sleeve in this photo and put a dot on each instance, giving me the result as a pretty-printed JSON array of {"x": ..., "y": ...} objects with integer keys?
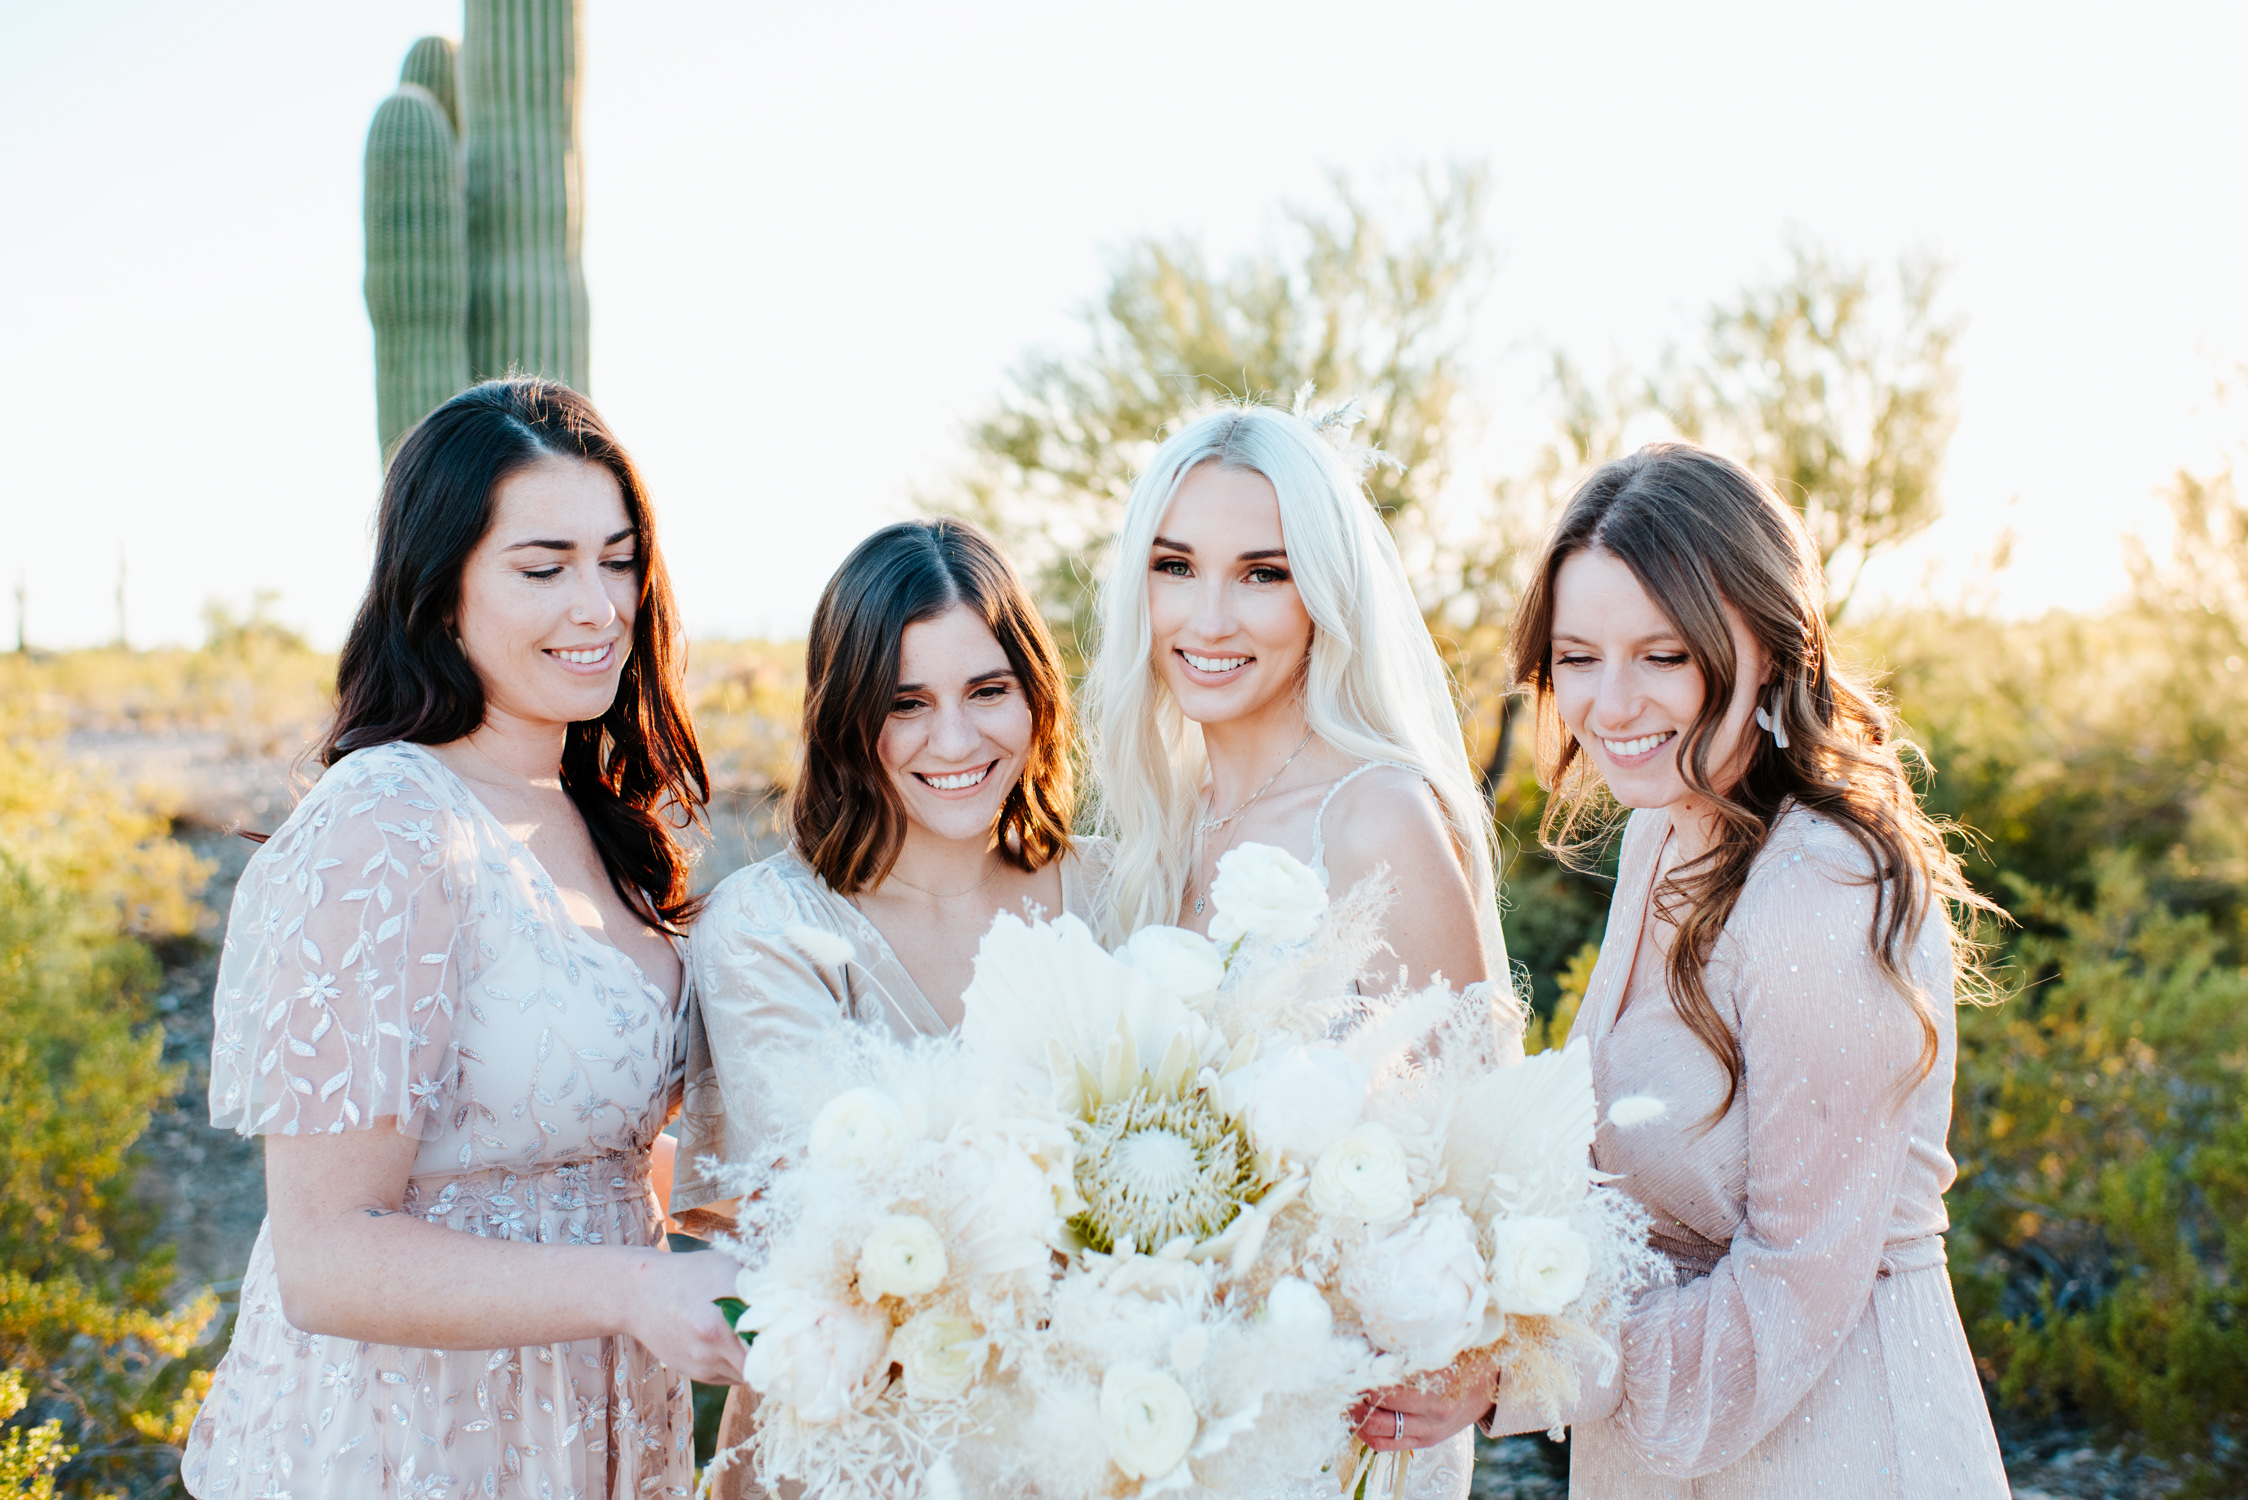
[
  {"x": 766, "y": 980},
  {"x": 1831, "y": 1050}
]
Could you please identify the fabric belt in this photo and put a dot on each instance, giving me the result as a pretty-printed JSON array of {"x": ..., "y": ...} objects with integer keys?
[{"x": 1693, "y": 1256}]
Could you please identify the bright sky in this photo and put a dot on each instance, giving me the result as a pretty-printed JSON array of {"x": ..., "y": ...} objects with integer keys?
[{"x": 818, "y": 236}]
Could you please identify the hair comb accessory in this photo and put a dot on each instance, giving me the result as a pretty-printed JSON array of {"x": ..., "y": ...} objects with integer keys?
[{"x": 1334, "y": 424}]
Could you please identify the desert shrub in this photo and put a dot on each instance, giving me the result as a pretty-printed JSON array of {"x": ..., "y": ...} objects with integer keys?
[{"x": 87, "y": 1331}]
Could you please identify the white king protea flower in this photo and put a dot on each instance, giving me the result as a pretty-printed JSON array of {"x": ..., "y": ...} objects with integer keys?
[
  {"x": 903, "y": 1257},
  {"x": 1153, "y": 1166},
  {"x": 1267, "y": 894},
  {"x": 1148, "y": 1419},
  {"x": 1538, "y": 1265},
  {"x": 861, "y": 1130}
]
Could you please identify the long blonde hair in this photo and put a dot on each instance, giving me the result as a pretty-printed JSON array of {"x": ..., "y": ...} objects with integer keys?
[{"x": 1374, "y": 687}]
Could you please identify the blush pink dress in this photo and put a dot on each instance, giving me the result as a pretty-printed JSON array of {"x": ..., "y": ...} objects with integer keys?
[
  {"x": 1809, "y": 1343},
  {"x": 395, "y": 959}
]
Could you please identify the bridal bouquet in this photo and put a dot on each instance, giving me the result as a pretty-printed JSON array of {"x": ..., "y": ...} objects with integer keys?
[{"x": 1153, "y": 1218}]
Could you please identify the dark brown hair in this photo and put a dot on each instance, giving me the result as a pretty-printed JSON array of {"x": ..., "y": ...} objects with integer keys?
[
  {"x": 634, "y": 773},
  {"x": 1703, "y": 535},
  {"x": 848, "y": 819}
]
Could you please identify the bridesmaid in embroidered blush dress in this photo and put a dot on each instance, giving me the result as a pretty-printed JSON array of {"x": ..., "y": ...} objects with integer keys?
[
  {"x": 452, "y": 1000},
  {"x": 1264, "y": 676},
  {"x": 1778, "y": 973},
  {"x": 936, "y": 792}
]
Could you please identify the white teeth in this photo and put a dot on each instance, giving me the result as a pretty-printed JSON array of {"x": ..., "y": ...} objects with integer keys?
[
  {"x": 1624, "y": 749},
  {"x": 583, "y": 658},
  {"x": 1214, "y": 663},
  {"x": 960, "y": 782}
]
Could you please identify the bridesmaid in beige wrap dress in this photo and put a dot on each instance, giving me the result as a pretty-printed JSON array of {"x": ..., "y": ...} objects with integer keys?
[
  {"x": 1808, "y": 1341},
  {"x": 936, "y": 793}
]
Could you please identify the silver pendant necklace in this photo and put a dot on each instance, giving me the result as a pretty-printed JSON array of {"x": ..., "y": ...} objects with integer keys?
[{"x": 1211, "y": 825}]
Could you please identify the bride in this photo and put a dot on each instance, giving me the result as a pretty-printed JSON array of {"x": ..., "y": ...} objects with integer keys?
[{"x": 1264, "y": 677}]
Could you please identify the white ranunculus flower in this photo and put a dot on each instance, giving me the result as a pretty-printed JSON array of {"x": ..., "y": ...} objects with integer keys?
[
  {"x": 812, "y": 1354},
  {"x": 1420, "y": 1289},
  {"x": 1364, "y": 1176},
  {"x": 1267, "y": 894},
  {"x": 861, "y": 1130},
  {"x": 1149, "y": 1420},
  {"x": 1299, "y": 1307},
  {"x": 1538, "y": 1265},
  {"x": 1299, "y": 1101},
  {"x": 1180, "y": 963},
  {"x": 903, "y": 1257},
  {"x": 942, "y": 1355}
]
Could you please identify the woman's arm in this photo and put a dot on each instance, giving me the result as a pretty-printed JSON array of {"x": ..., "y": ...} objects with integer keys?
[
  {"x": 1389, "y": 818},
  {"x": 353, "y": 1265},
  {"x": 1712, "y": 1368}
]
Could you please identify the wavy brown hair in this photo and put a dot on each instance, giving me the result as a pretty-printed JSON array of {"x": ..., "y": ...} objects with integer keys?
[
  {"x": 1704, "y": 536},
  {"x": 636, "y": 772},
  {"x": 846, "y": 815}
]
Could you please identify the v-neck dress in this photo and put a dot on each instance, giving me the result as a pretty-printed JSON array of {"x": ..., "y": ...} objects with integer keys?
[
  {"x": 396, "y": 959},
  {"x": 778, "y": 957},
  {"x": 1808, "y": 1342}
]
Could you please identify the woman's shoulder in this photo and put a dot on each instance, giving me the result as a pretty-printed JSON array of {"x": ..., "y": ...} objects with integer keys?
[
  {"x": 777, "y": 892},
  {"x": 1378, "y": 806},
  {"x": 380, "y": 791},
  {"x": 1811, "y": 872}
]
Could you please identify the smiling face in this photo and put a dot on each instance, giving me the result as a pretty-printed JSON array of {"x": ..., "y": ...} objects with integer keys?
[
  {"x": 1627, "y": 688},
  {"x": 1231, "y": 632},
  {"x": 959, "y": 728},
  {"x": 549, "y": 595}
]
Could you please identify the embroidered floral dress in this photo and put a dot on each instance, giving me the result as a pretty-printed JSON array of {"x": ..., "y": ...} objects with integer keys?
[{"x": 395, "y": 958}]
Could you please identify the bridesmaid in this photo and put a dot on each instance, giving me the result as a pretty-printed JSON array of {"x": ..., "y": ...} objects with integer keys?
[
  {"x": 451, "y": 1000},
  {"x": 1778, "y": 971},
  {"x": 936, "y": 793},
  {"x": 1265, "y": 677}
]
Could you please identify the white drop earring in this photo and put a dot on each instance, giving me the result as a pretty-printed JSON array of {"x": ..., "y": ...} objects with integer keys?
[{"x": 1771, "y": 721}]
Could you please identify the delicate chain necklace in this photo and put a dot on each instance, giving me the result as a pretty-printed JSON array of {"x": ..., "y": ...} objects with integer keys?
[
  {"x": 1212, "y": 825},
  {"x": 944, "y": 895}
]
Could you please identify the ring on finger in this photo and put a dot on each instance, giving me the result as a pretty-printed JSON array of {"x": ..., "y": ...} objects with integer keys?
[{"x": 1399, "y": 1435}]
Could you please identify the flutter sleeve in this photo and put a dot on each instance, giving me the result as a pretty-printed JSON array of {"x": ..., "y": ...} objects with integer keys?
[
  {"x": 1831, "y": 1050},
  {"x": 343, "y": 959},
  {"x": 769, "y": 975}
]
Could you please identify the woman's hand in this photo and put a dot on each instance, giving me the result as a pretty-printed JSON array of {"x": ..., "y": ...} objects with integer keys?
[
  {"x": 1430, "y": 1416},
  {"x": 670, "y": 1310}
]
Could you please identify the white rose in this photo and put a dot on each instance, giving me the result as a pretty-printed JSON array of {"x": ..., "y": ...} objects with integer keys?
[
  {"x": 1265, "y": 893},
  {"x": 1009, "y": 1186},
  {"x": 817, "y": 1356},
  {"x": 942, "y": 1355},
  {"x": 1364, "y": 1176},
  {"x": 903, "y": 1257},
  {"x": 1538, "y": 1265},
  {"x": 861, "y": 1130},
  {"x": 1299, "y": 1307},
  {"x": 1420, "y": 1290},
  {"x": 1149, "y": 1420},
  {"x": 1299, "y": 1102},
  {"x": 1178, "y": 962}
]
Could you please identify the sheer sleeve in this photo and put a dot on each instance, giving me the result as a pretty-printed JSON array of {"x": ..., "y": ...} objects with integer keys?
[
  {"x": 1711, "y": 1368},
  {"x": 768, "y": 975},
  {"x": 342, "y": 961}
]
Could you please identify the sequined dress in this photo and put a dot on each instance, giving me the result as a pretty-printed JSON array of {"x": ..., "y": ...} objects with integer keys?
[
  {"x": 1809, "y": 1343},
  {"x": 395, "y": 956}
]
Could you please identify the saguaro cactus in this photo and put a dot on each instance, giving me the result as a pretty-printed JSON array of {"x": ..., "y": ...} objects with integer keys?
[
  {"x": 417, "y": 261},
  {"x": 475, "y": 212},
  {"x": 527, "y": 305}
]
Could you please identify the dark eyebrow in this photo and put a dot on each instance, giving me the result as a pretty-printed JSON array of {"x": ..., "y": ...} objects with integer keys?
[
  {"x": 976, "y": 681},
  {"x": 1279, "y": 552},
  {"x": 1561, "y": 635},
  {"x": 1170, "y": 546},
  {"x": 551, "y": 545}
]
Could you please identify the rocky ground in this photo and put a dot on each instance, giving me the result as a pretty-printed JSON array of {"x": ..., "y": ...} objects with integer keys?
[{"x": 211, "y": 1184}]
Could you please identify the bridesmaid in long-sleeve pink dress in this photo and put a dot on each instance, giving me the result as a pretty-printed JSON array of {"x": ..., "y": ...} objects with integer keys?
[{"x": 1778, "y": 972}]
